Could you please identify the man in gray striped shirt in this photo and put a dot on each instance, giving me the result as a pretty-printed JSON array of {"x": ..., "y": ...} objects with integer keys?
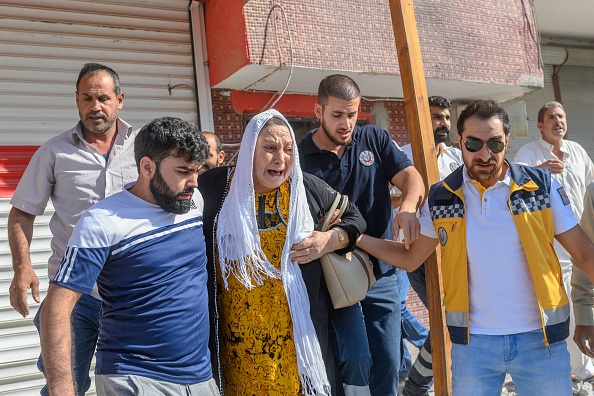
[{"x": 76, "y": 169}]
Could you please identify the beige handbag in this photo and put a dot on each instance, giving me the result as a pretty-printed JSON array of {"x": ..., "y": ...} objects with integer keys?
[{"x": 350, "y": 276}]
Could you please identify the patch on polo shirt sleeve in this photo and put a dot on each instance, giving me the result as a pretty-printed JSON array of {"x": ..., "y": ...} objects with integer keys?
[{"x": 563, "y": 196}]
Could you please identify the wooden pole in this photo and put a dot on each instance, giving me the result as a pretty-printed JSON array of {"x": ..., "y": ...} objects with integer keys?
[{"x": 423, "y": 149}]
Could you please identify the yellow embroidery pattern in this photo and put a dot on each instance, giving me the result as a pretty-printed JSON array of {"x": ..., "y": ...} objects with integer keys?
[{"x": 257, "y": 350}]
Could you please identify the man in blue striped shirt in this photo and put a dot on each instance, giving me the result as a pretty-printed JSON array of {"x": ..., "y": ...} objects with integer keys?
[{"x": 145, "y": 249}]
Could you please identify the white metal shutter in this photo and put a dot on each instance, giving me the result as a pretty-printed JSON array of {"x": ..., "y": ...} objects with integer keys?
[
  {"x": 19, "y": 341},
  {"x": 577, "y": 93},
  {"x": 43, "y": 45},
  {"x": 533, "y": 101}
]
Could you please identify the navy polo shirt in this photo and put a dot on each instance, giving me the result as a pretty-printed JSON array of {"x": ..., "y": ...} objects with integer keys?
[{"x": 368, "y": 164}]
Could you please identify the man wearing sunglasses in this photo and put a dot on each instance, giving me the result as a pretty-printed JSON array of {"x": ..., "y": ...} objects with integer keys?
[
  {"x": 573, "y": 169},
  {"x": 506, "y": 308}
]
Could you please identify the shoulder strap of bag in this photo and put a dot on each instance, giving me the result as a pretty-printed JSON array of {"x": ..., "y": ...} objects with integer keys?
[{"x": 331, "y": 210}]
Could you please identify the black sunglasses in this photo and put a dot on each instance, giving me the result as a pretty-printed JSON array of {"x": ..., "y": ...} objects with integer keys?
[{"x": 474, "y": 145}]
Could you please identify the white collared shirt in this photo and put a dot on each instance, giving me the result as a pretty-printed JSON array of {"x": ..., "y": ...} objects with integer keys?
[
  {"x": 502, "y": 297},
  {"x": 578, "y": 174},
  {"x": 448, "y": 160}
]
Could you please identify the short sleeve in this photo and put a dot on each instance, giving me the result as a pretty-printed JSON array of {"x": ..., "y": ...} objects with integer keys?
[
  {"x": 426, "y": 222},
  {"x": 86, "y": 254},
  {"x": 561, "y": 206},
  {"x": 36, "y": 184},
  {"x": 393, "y": 158}
]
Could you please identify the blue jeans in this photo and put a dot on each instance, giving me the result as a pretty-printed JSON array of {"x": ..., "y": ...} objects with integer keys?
[
  {"x": 479, "y": 368},
  {"x": 380, "y": 312},
  {"x": 412, "y": 329},
  {"x": 85, "y": 329},
  {"x": 352, "y": 349}
]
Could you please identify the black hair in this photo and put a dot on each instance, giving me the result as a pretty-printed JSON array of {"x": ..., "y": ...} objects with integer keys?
[
  {"x": 440, "y": 101},
  {"x": 338, "y": 86},
  {"x": 91, "y": 69},
  {"x": 549, "y": 105},
  {"x": 483, "y": 109},
  {"x": 170, "y": 136}
]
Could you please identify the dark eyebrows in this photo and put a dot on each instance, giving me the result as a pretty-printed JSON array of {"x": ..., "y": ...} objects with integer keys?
[
  {"x": 101, "y": 96},
  {"x": 189, "y": 168}
]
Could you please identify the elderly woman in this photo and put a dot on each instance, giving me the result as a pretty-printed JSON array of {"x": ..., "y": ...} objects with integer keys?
[{"x": 263, "y": 252}]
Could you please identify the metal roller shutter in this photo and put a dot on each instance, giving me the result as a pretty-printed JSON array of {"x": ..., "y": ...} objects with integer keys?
[
  {"x": 577, "y": 86},
  {"x": 43, "y": 45},
  {"x": 19, "y": 342}
]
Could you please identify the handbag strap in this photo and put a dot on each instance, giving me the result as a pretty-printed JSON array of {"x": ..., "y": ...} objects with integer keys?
[
  {"x": 343, "y": 205},
  {"x": 343, "y": 200}
]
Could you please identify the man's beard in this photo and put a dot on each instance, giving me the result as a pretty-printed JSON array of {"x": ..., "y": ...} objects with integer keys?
[
  {"x": 484, "y": 175},
  {"x": 166, "y": 198},
  {"x": 439, "y": 138},
  {"x": 97, "y": 129},
  {"x": 333, "y": 138}
]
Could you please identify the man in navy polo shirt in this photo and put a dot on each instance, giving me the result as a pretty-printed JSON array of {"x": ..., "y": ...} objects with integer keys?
[
  {"x": 145, "y": 248},
  {"x": 361, "y": 162}
]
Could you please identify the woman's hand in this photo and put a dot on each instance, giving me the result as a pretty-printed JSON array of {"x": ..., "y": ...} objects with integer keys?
[{"x": 314, "y": 246}]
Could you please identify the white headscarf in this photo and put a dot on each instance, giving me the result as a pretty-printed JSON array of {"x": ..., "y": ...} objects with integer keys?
[{"x": 240, "y": 252}]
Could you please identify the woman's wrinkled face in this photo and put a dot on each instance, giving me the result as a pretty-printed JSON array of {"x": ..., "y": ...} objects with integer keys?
[{"x": 273, "y": 158}]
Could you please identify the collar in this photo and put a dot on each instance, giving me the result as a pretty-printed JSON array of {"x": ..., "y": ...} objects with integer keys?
[
  {"x": 123, "y": 129},
  {"x": 515, "y": 177},
  {"x": 309, "y": 147},
  {"x": 549, "y": 147},
  {"x": 457, "y": 178},
  {"x": 507, "y": 180}
]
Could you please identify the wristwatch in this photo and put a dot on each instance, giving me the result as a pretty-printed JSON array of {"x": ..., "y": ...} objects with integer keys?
[{"x": 340, "y": 236}]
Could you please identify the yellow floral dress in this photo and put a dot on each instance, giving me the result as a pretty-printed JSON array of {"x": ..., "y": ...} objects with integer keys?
[{"x": 257, "y": 349}]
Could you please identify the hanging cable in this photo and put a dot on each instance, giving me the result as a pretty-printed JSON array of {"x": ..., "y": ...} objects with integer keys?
[{"x": 280, "y": 94}]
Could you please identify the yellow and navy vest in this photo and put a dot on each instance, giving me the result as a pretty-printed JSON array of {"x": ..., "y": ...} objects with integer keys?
[{"x": 530, "y": 205}]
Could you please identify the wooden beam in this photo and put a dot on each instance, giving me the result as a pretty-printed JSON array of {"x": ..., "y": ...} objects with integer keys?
[{"x": 423, "y": 149}]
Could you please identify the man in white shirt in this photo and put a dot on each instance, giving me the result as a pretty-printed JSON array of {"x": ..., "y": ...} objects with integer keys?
[
  {"x": 448, "y": 158},
  {"x": 506, "y": 311},
  {"x": 573, "y": 169}
]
